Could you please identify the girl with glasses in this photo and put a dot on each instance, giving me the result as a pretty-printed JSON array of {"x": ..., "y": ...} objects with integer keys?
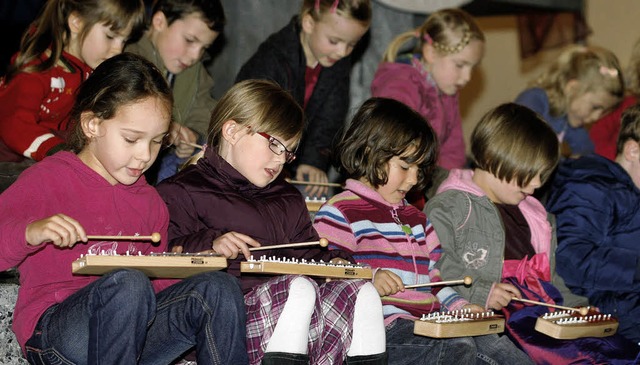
[{"x": 235, "y": 198}]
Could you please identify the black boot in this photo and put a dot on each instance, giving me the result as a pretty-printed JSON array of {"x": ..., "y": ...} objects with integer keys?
[
  {"x": 377, "y": 359},
  {"x": 284, "y": 358}
]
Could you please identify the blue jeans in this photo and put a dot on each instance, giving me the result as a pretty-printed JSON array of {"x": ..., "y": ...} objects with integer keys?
[
  {"x": 119, "y": 320},
  {"x": 405, "y": 348}
]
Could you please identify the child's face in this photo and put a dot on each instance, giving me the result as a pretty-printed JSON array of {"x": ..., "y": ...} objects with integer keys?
[
  {"x": 99, "y": 44},
  {"x": 510, "y": 193},
  {"x": 250, "y": 154},
  {"x": 402, "y": 176},
  {"x": 122, "y": 148},
  {"x": 452, "y": 72},
  {"x": 181, "y": 44},
  {"x": 588, "y": 107},
  {"x": 330, "y": 39}
]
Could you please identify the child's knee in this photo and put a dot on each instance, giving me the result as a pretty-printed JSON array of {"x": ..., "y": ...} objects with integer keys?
[{"x": 303, "y": 292}]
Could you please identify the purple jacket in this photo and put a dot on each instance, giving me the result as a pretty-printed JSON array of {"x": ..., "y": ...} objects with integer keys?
[
  {"x": 412, "y": 86},
  {"x": 212, "y": 198}
]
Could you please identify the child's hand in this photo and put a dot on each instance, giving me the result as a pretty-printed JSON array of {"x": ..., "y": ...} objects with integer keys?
[
  {"x": 474, "y": 308},
  {"x": 231, "y": 244},
  {"x": 313, "y": 174},
  {"x": 501, "y": 295},
  {"x": 387, "y": 283},
  {"x": 183, "y": 139},
  {"x": 59, "y": 229}
]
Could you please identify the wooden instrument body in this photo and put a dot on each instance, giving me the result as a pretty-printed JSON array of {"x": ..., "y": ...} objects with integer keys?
[
  {"x": 168, "y": 265},
  {"x": 320, "y": 269},
  {"x": 461, "y": 323},
  {"x": 569, "y": 325}
]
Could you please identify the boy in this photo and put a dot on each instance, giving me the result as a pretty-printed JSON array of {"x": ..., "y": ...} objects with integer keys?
[
  {"x": 596, "y": 203},
  {"x": 179, "y": 33}
]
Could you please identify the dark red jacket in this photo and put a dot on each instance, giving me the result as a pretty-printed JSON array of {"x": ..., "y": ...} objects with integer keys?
[{"x": 212, "y": 198}]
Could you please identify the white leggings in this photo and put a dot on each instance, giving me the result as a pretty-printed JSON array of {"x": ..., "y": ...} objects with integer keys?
[{"x": 292, "y": 330}]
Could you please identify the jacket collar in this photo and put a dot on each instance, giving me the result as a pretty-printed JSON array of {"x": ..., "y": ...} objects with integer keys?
[{"x": 214, "y": 165}]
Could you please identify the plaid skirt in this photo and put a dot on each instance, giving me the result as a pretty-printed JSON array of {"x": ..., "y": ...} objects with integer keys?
[{"x": 331, "y": 322}]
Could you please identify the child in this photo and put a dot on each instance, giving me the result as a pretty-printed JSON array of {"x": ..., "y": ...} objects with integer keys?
[
  {"x": 121, "y": 117},
  {"x": 57, "y": 53},
  {"x": 310, "y": 58},
  {"x": 604, "y": 133},
  {"x": 179, "y": 33},
  {"x": 596, "y": 202},
  {"x": 583, "y": 84},
  {"x": 388, "y": 149},
  {"x": 492, "y": 229},
  {"x": 448, "y": 45},
  {"x": 234, "y": 198}
]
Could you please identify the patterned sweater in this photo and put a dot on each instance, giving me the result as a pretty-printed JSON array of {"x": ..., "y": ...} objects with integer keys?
[{"x": 394, "y": 237}]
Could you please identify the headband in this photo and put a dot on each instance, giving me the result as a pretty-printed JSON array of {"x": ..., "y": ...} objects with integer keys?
[{"x": 464, "y": 41}]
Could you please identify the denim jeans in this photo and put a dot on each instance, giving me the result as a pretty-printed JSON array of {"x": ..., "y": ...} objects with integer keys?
[
  {"x": 404, "y": 348},
  {"x": 119, "y": 320}
]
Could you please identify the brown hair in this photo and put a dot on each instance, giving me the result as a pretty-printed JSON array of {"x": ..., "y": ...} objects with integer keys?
[
  {"x": 211, "y": 11},
  {"x": 121, "y": 80},
  {"x": 260, "y": 104},
  {"x": 448, "y": 30},
  {"x": 381, "y": 129},
  {"x": 632, "y": 75},
  {"x": 512, "y": 141},
  {"x": 629, "y": 127},
  {"x": 51, "y": 31},
  {"x": 594, "y": 67},
  {"x": 359, "y": 10}
]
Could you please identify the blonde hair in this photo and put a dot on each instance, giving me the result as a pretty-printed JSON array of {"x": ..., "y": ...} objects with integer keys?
[
  {"x": 632, "y": 75},
  {"x": 51, "y": 31},
  {"x": 447, "y": 30},
  {"x": 512, "y": 141},
  {"x": 358, "y": 10},
  {"x": 260, "y": 104},
  {"x": 594, "y": 68}
]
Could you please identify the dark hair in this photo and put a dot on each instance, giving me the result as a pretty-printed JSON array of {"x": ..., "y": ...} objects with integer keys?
[
  {"x": 118, "y": 81},
  {"x": 51, "y": 31},
  {"x": 512, "y": 141},
  {"x": 629, "y": 127},
  {"x": 260, "y": 104},
  {"x": 381, "y": 129},
  {"x": 211, "y": 11}
]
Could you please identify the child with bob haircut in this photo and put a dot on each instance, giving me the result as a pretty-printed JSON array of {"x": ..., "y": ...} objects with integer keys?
[
  {"x": 235, "y": 198},
  {"x": 178, "y": 35},
  {"x": 580, "y": 86},
  {"x": 428, "y": 78},
  {"x": 57, "y": 53},
  {"x": 492, "y": 229},
  {"x": 121, "y": 116},
  {"x": 387, "y": 150},
  {"x": 310, "y": 58}
]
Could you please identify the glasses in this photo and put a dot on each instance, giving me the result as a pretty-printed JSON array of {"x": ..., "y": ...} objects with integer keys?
[{"x": 278, "y": 148}]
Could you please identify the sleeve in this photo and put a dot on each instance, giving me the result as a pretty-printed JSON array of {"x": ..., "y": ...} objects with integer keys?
[
  {"x": 452, "y": 150},
  {"x": 183, "y": 224},
  {"x": 333, "y": 225},
  {"x": 579, "y": 141},
  {"x": 534, "y": 99},
  {"x": 20, "y": 126},
  {"x": 585, "y": 257},
  {"x": 200, "y": 114},
  {"x": 446, "y": 216},
  {"x": 23, "y": 202}
]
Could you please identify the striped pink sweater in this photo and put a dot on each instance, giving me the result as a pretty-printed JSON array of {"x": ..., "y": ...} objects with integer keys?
[{"x": 395, "y": 237}]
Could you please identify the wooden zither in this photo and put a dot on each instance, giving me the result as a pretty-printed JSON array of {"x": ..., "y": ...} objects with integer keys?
[
  {"x": 282, "y": 266},
  {"x": 155, "y": 265},
  {"x": 568, "y": 325},
  {"x": 461, "y": 323}
]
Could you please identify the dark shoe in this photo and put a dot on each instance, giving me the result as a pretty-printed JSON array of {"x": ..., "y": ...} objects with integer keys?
[
  {"x": 284, "y": 358},
  {"x": 377, "y": 359}
]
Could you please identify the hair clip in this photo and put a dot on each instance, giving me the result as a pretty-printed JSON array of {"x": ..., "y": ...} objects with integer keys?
[
  {"x": 333, "y": 8},
  {"x": 427, "y": 38},
  {"x": 608, "y": 71}
]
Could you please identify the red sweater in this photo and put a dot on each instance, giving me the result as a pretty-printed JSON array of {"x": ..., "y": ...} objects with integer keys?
[{"x": 34, "y": 109}]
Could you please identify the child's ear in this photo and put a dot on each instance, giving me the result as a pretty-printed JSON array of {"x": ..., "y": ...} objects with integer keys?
[
  {"x": 428, "y": 53},
  {"x": 571, "y": 87},
  {"x": 90, "y": 124},
  {"x": 75, "y": 23},
  {"x": 230, "y": 131},
  {"x": 631, "y": 151},
  {"x": 159, "y": 21},
  {"x": 308, "y": 23}
]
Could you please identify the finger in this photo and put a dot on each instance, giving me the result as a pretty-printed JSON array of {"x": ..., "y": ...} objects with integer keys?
[{"x": 247, "y": 240}]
